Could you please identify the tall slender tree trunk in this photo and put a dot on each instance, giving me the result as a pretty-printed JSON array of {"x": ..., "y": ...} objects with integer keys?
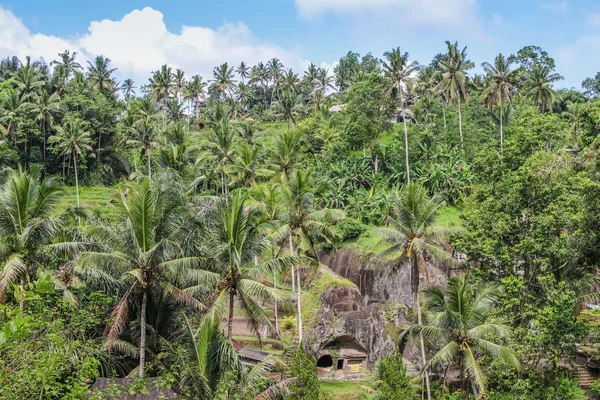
[
  {"x": 148, "y": 162},
  {"x": 76, "y": 180},
  {"x": 293, "y": 277},
  {"x": 299, "y": 302},
  {"x": 405, "y": 140},
  {"x": 275, "y": 306},
  {"x": 501, "y": 132},
  {"x": 462, "y": 146},
  {"x": 230, "y": 321},
  {"x": 143, "y": 332},
  {"x": 99, "y": 145},
  {"x": 417, "y": 303},
  {"x": 43, "y": 129},
  {"x": 22, "y": 296}
]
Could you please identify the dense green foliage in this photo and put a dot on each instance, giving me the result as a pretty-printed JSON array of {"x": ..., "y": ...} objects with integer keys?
[{"x": 228, "y": 189}]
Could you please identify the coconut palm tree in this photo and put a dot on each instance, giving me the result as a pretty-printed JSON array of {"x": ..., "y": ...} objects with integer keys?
[
  {"x": 28, "y": 79},
  {"x": 178, "y": 83},
  {"x": 219, "y": 148},
  {"x": 414, "y": 238},
  {"x": 46, "y": 106},
  {"x": 140, "y": 255},
  {"x": 290, "y": 81},
  {"x": 243, "y": 71},
  {"x": 289, "y": 107},
  {"x": 398, "y": 68},
  {"x": 539, "y": 87},
  {"x": 243, "y": 95},
  {"x": 246, "y": 167},
  {"x": 195, "y": 91},
  {"x": 576, "y": 114},
  {"x": 99, "y": 75},
  {"x": 27, "y": 206},
  {"x": 274, "y": 67},
  {"x": 501, "y": 88},
  {"x": 72, "y": 141},
  {"x": 223, "y": 82},
  {"x": 234, "y": 243},
  {"x": 128, "y": 89},
  {"x": 453, "y": 68},
  {"x": 285, "y": 153},
  {"x": 324, "y": 80},
  {"x": 143, "y": 134},
  {"x": 13, "y": 106},
  {"x": 465, "y": 331},
  {"x": 67, "y": 63},
  {"x": 303, "y": 222},
  {"x": 311, "y": 76},
  {"x": 211, "y": 366}
]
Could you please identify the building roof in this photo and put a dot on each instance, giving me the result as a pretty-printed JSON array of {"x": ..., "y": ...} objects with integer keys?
[
  {"x": 252, "y": 355},
  {"x": 337, "y": 108}
]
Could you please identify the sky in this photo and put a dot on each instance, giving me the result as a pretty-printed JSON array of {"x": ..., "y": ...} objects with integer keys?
[{"x": 196, "y": 35}]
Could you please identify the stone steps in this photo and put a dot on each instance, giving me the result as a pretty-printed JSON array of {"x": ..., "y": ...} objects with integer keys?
[{"x": 583, "y": 376}]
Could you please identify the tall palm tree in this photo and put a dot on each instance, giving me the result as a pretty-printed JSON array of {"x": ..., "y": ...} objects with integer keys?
[
  {"x": 194, "y": 92},
  {"x": 234, "y": 243},
  {"x": 223, "y": 82},
  {"x": 414, "y": 237},
  {"x": 178, "y": 83},
  {"x": 243, "y": 95},
  {"x": 28, "y": 78},
  {"x": 67, "y": 63},
  {"x": 324, "y": 80},
  {"x": 72, "y": 141},
  {"x": 289, "y": 107},
  {"x": 99, "y": 75},
  {"x": 27, "y": 205},
  {"x": 143, "y": 135},
  {"x": 539, "y": 87},
  {"x": 464, "y": 330},
  {"x": 243, "y": 71},
  {"x": 220, "y": 148},
  {"x": 576, "y": 115},
  {"x": 13, "y": 106},
  {"x": 303, "y": 222},
  {"x": 285, "y": 153},
  {"x": 161, "y": 86},
  {"x": 128, "y": 88},
  {"x": 400, "y": 71},
  {"x": 453, "y": 68},
  {"x": 290, "y": 81},
  {"x": 500, "y": 89},
  {"x": 46, "y": 106},
  {"x": 311, "y": 76},
  {"x": 274, "y": 67},
  {"x": 141, "y": 255}
]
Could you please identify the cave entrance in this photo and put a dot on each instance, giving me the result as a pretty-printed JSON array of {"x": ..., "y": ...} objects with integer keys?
[{"x": 325, "y": 361}]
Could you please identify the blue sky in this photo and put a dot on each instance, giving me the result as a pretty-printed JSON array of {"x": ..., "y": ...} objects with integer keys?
[{"x": 141, "y": 35}]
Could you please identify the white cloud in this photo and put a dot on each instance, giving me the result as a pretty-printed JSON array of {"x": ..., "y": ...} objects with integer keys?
[
  {"x": 16, "y": 39},
  {"x": 140, "y": 42},
  {"x": 423, "y": 12},
  {"x": 562, "y": 7}
]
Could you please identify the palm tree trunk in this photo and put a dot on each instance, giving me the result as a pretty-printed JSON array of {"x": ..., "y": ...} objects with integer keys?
[
  {"x": 99, "y": 145},
  {"x": 501, "y": 133},
  {"x": 299, "y": 309},
  {"x": 148, "y": 162},
  {"x": 42, "y": 128},
  {"x": 230, "y": 322},
  {"x": 417, "y": 303},
  {"x": 424, "y": 358},
  {"x": 462, "y": 146},
  {"x": 76, "y": 180},
  {"x": 143, "y": 332},
  {"x": 21, "y": 296},
  {"x": 293, "y": 277},
  {"x": 275, "y": 306},
  {"x": 406, "y": 152}
]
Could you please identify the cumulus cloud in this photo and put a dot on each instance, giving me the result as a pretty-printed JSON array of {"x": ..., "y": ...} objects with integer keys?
[
  {"x": 423, "y": 12},
  {"x": 140, "y": 42}
]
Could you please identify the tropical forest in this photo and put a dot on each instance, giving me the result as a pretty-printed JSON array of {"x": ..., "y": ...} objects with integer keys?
[{"x": 385, "y": 229}]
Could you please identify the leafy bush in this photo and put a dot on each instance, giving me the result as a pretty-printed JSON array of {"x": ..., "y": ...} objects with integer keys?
[
  {"x": 304, "y": 369},
  {"x": 350, "y": 229}
]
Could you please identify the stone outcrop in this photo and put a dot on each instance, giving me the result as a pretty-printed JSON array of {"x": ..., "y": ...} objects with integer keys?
[{"x": 344, "y": 323}]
